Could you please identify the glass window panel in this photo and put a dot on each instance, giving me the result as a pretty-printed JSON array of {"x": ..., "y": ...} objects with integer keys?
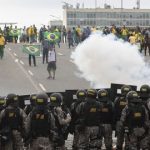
[{"x": 147, "y": 22}]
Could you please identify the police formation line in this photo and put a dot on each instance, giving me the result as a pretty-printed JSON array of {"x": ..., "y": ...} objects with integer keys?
[{"x": 45, "y": 125}]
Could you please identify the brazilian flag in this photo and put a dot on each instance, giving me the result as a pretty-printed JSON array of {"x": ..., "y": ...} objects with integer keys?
[
  {"x": 57, "y": 33},
  {"x": 33, "y": 49},
  {"x": 52, "y": 37},
  {"x": 14, "y": 32}
]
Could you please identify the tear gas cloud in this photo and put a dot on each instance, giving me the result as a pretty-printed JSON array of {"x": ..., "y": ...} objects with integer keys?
[{"x": 103, "y": 60}]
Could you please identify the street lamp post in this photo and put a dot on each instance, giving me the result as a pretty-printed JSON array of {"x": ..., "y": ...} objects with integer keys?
[
  {"x": 95, "y": 4},
  {"x": 121, "y": 15},
  {"x": 121, "y": 4}
]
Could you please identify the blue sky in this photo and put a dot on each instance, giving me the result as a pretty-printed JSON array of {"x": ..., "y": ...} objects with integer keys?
[{"x": 27, "y": 12}]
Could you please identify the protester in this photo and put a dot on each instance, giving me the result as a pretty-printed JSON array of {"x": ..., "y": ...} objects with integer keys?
[
  {"x": 31, "y": 34},
  {"x": 46, "y": 47},
  {"x": 51, "y": 67},
  {"x": 15, "y": 38},
  {"x": 2, "y": 45},
  {"x": 64, "y": 35},
  {"x": 32, "y": 56},
  {"x": 70, "y": 38}
]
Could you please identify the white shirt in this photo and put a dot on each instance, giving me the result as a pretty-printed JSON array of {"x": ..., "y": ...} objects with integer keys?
[{"x": 51, "y": 56}]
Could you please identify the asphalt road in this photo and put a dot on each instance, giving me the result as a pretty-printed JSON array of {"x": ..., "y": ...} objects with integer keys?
[{"x": 18, "y": 77}]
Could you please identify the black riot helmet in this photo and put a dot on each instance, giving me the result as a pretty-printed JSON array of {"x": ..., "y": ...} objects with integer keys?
[
  {"x": 56, "y": 99},
  {"x": 12, "y": 99},
  {"x": 81, "y": 94},
  {"x": 91, "y": 93},
  {"x": 125, "y": 89},
  {"x": 2, "y": 100},
  {"x": 145, "y": 91},
  {"x": 102, "y": 93},
  {"x": 133, "y": 97},
  {"x": 41, "y": 99},
  {"x": 33, "y": 99}
]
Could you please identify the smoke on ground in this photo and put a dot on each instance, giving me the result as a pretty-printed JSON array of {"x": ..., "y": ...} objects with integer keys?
[{"x": 103, "y": 60}]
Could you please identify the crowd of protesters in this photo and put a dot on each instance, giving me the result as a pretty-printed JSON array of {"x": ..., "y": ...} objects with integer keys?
[{"x": 72, "y": 36}]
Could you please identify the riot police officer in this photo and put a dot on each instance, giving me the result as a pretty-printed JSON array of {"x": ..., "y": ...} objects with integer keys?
[
  {"x": 135, "y": 117},
  {"x": 89, "y": 134},
  {"x": 145, "y": 96},
  {"x": 62, "y": 119},
  {"x": 145, "y": 93},
  {"x": 41, "y": 124},
  {"x": 119, "y": 104},
  {"x": 2, "y": 103},
  {"x": 106, "y": 115},
  {"x": 12, "y": 124},
  {"x": 81, "y": 95},
  {"x": 29, "y": 108}
]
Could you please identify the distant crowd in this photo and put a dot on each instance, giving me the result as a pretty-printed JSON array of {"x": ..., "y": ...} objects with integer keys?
[{"x": 73, "y": 36}]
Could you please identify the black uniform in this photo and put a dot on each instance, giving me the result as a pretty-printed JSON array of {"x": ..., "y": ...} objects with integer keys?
[
  {"x": 12, "y": 124},
  {"x": 46, "y": 47}
]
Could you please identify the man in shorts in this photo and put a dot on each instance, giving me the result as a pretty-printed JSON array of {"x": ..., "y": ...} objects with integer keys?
[{"x": 51, "y": 67}]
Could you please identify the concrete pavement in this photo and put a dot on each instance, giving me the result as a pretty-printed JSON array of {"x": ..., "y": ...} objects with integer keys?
[{"x": 18, "y": 77}]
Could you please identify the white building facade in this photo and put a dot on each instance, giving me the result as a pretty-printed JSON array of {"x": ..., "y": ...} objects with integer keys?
[
  {"x": 101, "y": 17},
  {"x": 55, "y": 23}
]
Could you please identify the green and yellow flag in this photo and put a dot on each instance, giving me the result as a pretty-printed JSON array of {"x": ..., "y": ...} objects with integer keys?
[
  {"x": 52, "y": 37},
  {"x": 14, "y": 32},
  {"x": 33, "y": 49}
]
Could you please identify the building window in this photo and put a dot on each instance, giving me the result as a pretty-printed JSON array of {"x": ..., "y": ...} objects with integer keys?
[
  {"x": 126, "y": 15},
  {"x": 101, "y": 23},
  {"x": 143, "y": 15},
  {"x": 99, "y": 15},
  {"x": 82, "y": 15},
  {"x": 107, "y": 15},
  {"x": 71, "y": 15},
  {"x": 137, "y": 16},
  {"x": 137, "y": 23},
  {"x": 118, "y": 15},
  {"x": 88, "y": 15},
  {"x": 147, "y": 15},
  {"x": 78, "y": 14},
  {"x": 130, "y": 23},
  {"x": 123, "y": 15},
  {"x": 68, "y": 15},
  {"x": 147, "y": 22},
  {"x": 114, "y": 15},
  {"x": 140, "y": 23},
  {"x": 127, "y": 23}
]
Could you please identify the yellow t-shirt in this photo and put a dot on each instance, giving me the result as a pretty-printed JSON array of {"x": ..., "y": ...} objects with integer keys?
[
  {"x": 113, "y": 31},
  {"x": 124, "y": 31},
  {"x": 132, "y": 39},
  {"x": 2, "y": 40},
  {"x": 78, "y": 31},
  {"x": 30, "y": 31},
  {"x": 93, "y": 29}
]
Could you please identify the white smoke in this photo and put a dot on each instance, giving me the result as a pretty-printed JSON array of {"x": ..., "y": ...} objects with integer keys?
[{"x": 103, "y": 60}]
